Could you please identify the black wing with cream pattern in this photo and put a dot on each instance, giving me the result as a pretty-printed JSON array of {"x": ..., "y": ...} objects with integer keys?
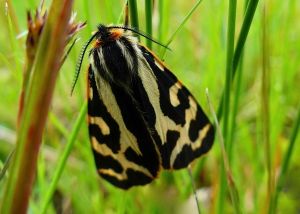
[{"x": 141, "y": 118}]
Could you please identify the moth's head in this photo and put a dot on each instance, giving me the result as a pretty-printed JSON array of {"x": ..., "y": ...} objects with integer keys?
[{"x": 106, "y": 34}]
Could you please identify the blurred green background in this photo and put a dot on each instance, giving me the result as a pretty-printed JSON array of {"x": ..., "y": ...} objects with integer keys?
[{"x": 198, "y": 59}]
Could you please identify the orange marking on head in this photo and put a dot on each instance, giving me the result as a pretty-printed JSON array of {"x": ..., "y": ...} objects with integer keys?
[
  {"x": 116, "y": 34},
  {"x": 97, "y": 43}
]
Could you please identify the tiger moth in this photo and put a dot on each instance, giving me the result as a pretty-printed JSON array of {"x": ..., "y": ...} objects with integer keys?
[{"x": 141, "y": 118}]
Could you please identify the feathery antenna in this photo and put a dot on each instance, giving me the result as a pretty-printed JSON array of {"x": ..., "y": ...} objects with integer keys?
[{"x": 79, "y": 62}]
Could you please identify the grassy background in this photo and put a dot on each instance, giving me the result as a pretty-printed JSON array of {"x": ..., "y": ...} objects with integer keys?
[{"x": 198, "y": 58}]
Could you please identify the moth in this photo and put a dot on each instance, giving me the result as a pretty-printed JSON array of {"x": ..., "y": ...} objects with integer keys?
[{"x": 141, "y": 118}]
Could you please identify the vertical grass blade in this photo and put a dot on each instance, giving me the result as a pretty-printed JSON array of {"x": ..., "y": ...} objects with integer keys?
[
  {"x": 38, "y": 97},
  {"x": 265, "y": 110},
  {"x": 164, "y": 13},
  {"x": 234, "y": 195},
  {"x": 133, "y": 14},
  {"x": 148, "y": 12},
  {"x": 64, "y": 157},
  {"x": 236, "y": 98},
  {"x": 226, "y": 104},
  {"x": 12, "y": 14},
  {"x": 228, "y": 76},
  {"x": 251, "y": 8}
]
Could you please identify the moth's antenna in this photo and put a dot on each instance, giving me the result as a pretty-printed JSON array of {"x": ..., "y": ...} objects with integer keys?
[
  {"x": 79, "y": 62},
  {"x": 140, "y": 33}
]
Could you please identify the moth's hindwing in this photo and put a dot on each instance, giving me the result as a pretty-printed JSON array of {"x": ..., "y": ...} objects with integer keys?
[{"x": 141, "y": 118}]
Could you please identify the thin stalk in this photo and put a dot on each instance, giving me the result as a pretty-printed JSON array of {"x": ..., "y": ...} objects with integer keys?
[
  {"x": 164, "y": 13},
  {"x": 234, "y": 195},
  {"x": 63, "y": 158},
  {"x": 265, "y": 110},
  {"x": 134, "y": 19},
  {"x": 148, "y": 11},
  {"x": 38, "y": 97},
  {"x": 226, "y": 104}
]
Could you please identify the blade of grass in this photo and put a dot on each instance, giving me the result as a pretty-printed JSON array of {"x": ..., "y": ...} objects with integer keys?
[
  {"x": 13, "y": 16},
  {"x": 237, "y": 93},
  {"x": 41, "y": 174},
  {"x": 265, "y": 111},
  {"x": 229, "y": 178},
  {"x": 227, "y": 89},
  {"x": 228, "y": 75},
  {"x": 164, "y": 12},
  {"x": 6, "y": 164},
  {"x": 285, "y": 164},
  {"x": 148, "y": 12},
  {"x": 38, "y": 96},
  {"x": 134, "y": 19},
  {"x": 63, "y": 158},
  {"x": 124, "y": 14},
  {"x": 251, "y": 8}
]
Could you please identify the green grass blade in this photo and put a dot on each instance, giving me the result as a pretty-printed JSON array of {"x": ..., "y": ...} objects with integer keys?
[
  {"x": 228, "y": 76},
  {"x": 133, "y": 14},
  {"x": 236, "y": 98},
  {"x": 148, "y": 12},
  {"x": 6, "y": 164},
  {"x": 252, "y": 5},
  {"x": 240, "y": 44},
  {"x": 164, "y": 14},
  {"x": 64, "y": 157},
  {"x": 265, "y": 110},
  {"x": 227, "y": 89},
  {"x": 234, "y": 195}
]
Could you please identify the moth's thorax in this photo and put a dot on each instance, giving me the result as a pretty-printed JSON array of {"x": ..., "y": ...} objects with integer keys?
[{"x": 114, "y": 56}]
